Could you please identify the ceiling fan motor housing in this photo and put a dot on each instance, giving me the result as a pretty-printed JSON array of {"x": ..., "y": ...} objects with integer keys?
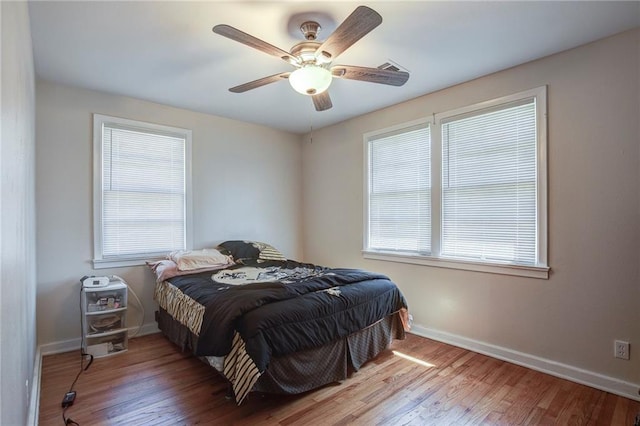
[{"x": 305, "y": 50}]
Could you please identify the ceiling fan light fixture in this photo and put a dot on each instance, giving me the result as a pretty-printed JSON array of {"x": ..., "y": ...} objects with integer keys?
[{"x": 310, "y": 80}]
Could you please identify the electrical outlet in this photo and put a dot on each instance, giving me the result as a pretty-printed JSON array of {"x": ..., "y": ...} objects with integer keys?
[{"x": 621, "y": 349}]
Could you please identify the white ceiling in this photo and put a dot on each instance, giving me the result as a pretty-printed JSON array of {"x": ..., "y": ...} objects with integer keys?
[{"x": 166, "y": 52}]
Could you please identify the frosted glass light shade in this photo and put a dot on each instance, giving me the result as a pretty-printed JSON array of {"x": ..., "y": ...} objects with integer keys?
[{"x": 310, "y": 80}]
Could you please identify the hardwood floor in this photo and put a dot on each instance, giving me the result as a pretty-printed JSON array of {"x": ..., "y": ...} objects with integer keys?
[{"x": 422, "y": 383}]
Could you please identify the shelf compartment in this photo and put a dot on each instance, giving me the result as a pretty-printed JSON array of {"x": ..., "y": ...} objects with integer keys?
[
  {"x": 99, "y": 301},
  {"x": 109, "y": 311},
  {"x": 105, "y": 322},
  {"x": 106, "y": 344}
]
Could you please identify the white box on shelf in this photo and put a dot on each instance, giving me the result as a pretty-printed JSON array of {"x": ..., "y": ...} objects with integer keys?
[{"x": 101, "y": 349}]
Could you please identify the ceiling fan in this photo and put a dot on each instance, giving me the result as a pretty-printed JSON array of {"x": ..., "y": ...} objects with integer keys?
[{"x": 313, "y": 59}]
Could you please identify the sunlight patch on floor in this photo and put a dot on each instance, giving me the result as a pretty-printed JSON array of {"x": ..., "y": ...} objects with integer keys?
[{"x": 412, "y": 359}]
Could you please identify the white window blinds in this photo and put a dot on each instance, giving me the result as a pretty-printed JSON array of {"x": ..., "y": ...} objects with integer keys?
[
  {"x": 489, "y": 185},
  {"x": 143, "y": 191},
  {"x": 399, "y": 208}
]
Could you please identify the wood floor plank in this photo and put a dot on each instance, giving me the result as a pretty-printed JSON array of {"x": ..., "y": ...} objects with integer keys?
[{"x": 422, "y": 383}]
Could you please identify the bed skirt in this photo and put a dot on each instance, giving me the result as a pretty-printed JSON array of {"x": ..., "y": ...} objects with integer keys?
[{"x": 304, "y": 370}]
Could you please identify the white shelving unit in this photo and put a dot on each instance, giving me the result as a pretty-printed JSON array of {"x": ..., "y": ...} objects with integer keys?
[{"x": 104, "y": 319}]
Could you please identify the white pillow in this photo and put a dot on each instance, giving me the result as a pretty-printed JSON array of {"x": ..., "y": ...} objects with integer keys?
[
  {"x": 188, "y": 260},
  {"x": 165, "y": 269}
]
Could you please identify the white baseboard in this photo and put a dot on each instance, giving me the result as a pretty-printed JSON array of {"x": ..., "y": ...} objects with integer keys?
[
  {"x": 564, "y": 371},
  {"x": 149, "y": 328},
  {"x": 74, "y": 344},
  {"x": 34, "y": 399}
]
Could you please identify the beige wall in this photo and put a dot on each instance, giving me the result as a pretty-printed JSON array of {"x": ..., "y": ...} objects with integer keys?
[
  {"x": 593, "y": 294},
  {"x": 17, "y": 217},
  {"x": 246, "y": 185}
]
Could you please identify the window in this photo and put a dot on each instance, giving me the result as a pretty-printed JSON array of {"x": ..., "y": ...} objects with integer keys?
[
  {"x": 400, "y": 190},
  {"x": 465, "y": 190},
  {"x": 141, "y": 191}
]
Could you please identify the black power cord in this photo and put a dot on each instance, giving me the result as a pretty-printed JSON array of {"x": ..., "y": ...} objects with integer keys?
[
  {"x": 66, "y": 420},
  {"x": 70, "y": 396}
]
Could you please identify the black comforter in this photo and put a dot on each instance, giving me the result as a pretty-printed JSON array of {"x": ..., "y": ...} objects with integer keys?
[{"x": 296, "y": 307}]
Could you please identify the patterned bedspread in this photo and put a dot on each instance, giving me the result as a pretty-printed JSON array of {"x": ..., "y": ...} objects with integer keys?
[{"x": 251, "y": 313}]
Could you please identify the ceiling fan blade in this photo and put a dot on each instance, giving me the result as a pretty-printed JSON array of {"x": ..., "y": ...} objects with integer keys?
[
  {"x": 322, "y": 101},
  {"x": 251, "y": 41},
  {"x": 260, "y": 82},
  {"x": 373, "y": 75},
  {"x": 357, "y": 25}
]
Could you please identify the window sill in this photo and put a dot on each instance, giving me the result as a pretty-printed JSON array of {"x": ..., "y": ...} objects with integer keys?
[
  {"x": 123, "y": 262},
  {"x": 540, "y": 272}
]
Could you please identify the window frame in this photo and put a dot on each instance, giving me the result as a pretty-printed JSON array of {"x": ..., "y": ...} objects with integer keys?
[
  {"x": 379, "y": 134},
  {"x": 541, "y": 268},
  {"x": 99, "y": 120}
]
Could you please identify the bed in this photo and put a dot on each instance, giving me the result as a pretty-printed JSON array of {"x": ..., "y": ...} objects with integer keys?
[{"x": 271, "y": 324}]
